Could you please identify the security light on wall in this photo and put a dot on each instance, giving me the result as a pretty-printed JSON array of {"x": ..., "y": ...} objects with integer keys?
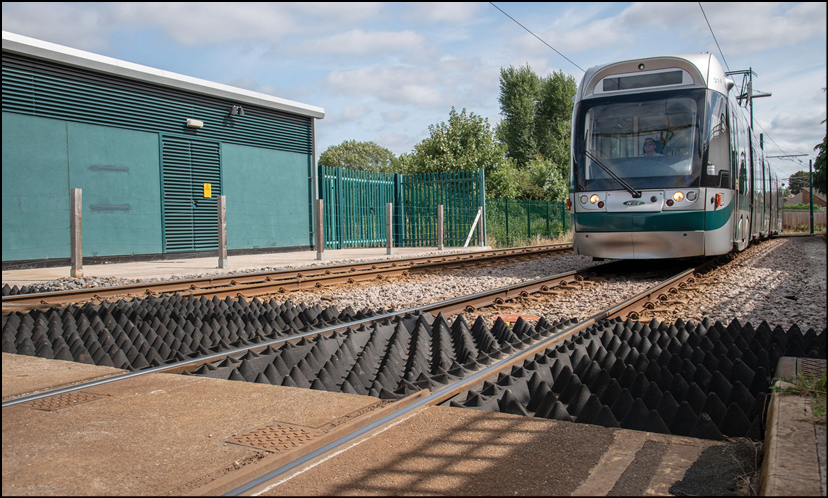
[
  {"x": 194, "y": 123},
  {"x": 237, "y": 111}
]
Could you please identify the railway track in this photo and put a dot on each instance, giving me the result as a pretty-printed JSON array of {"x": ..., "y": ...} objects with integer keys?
[
  {"x": 262, "y": 283},
  {"x": 359, "y": 429},
  {"x": 418, "y": 393}
]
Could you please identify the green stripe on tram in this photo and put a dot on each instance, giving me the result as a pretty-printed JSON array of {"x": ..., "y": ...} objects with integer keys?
[{"x": 665, "y": 221}]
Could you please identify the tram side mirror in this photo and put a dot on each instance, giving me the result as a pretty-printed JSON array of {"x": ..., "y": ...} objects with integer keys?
[{"x": 724, "y": 179}]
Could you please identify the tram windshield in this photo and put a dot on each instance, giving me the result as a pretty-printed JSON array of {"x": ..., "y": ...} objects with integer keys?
[{"x": 650, "y": 140}]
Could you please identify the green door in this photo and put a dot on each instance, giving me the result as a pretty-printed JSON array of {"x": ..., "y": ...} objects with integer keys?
[{"x": 191, "y": 178}]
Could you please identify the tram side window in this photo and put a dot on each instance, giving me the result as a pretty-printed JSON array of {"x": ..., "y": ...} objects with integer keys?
[{"x": 717, "y": 170}]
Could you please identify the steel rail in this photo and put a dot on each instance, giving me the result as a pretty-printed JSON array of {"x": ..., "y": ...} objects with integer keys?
[
  {"x": 194, "y": 363},
  {"x": 449, "y": 306},
  {"x": 258, "y": 283},
  {"x": 379, "y": 419},
  {"x": 629, "y": 306}
]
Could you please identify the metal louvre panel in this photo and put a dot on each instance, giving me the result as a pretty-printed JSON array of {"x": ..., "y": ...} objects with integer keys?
[
  {"x": 190, "y": 220},
  {"x": 205, "y": 169},
  {"x": 178, "y": 197},
  {"x": 47, "y": 89}
]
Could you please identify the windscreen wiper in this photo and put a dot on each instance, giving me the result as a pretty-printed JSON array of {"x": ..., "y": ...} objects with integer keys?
[{"x": 635, "y": 193}]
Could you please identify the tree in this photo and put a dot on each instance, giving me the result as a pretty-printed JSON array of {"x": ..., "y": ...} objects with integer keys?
[
  {"x": 554, "y": 116},
  {"x": 363, "y": 156},
  {"x": 465, "y": 143},
  {"x": 799, "y": 181},
  {"x": 820, "y": 180},
  {"x": 519, "y": 89},
  {"x": 536, "y": 127}
]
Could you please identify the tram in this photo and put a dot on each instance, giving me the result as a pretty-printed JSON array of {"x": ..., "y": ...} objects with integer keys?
[{"x": 665, "y": 163}]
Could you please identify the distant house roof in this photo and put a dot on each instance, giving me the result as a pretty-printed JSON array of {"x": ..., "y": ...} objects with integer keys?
[
  {"x": 803, "y": 197},
  {"x": 58, "y": 53}
]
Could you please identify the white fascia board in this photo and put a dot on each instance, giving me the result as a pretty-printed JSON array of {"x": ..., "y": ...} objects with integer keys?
[{"x": 53, "y": 52}]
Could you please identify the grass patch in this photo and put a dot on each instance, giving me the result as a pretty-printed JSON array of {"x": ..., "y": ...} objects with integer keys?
[
  {"x": 812, "y": 387},
  {"x": 536, "y": 240},
  {"x": 805, "y": 228}
]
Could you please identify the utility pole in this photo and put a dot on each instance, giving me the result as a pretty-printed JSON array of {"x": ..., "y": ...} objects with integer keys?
[
  {"x": 749, "y": 95},
  {"x": 811, "y": 182}
]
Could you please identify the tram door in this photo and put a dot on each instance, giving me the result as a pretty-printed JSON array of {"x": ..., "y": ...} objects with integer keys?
[{"x": 191, "y": 180}]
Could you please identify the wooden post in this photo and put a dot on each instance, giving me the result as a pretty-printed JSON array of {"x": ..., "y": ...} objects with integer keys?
[
  {"x": 320, "y": 231},
  {"x": 76, "y": 233},
  {"x": 440, "y": 245},
  {"x": 389, "y": 227},
  {"x": 222, "y": 232}
]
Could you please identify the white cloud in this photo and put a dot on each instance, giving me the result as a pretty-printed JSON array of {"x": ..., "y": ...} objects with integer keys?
[
  {"x": 394, "y": 116},
  {"x": 88, "y": 25},
  {"x": 73, "y": 25},
  {"x": 763, "y": 25},
  {"x": 359, "y": 42},
  {"x": 447, "y": 12},
  {"x": 353, "y": 112},
  {"x": 394, "y": 84}
]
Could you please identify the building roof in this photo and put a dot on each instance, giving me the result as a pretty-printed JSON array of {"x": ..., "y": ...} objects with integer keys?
[
  {"x": 803, "y": 197},
  {"x": 58, "y": 53}
]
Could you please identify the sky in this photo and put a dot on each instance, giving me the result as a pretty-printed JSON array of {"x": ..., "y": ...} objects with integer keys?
[{"x": 385, "y": 72}]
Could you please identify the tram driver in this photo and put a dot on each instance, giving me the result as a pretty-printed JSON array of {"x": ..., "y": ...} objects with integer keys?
[{"x": 650, "y": 148}]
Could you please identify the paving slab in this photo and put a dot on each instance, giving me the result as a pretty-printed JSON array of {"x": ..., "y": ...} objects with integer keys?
[
  {"x": 457, "y": 451},
  {"x": 150, "y": 435},
  {"x": 791, "y": 465},
  {"x": 171, "y": 434},
  {"x": 29, "y": 374}
]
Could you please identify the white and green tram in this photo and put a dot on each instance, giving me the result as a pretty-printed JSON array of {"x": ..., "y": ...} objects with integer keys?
[{"x": 665, "y": 164}]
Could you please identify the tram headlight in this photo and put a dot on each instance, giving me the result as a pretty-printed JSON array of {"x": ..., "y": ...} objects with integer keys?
[
  {"x": 678, "y": 196},
  {"x": 583, "y": 199},
  {"x": 594, "y": 198},
  {"x": 691, "y": 196}
]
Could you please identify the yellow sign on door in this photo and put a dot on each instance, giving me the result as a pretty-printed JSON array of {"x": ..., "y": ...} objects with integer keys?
[{"x": 208, "y": 187}]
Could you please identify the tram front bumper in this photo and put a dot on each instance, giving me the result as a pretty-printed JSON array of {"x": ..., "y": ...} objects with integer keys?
[{"x": 640, "y": 245}]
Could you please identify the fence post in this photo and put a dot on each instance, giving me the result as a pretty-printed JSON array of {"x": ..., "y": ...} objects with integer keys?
[
  {"x": 440, "y": 245},
  {"x": 389, "y": 227},
  {"x": 480, "y": 235},
  {"x": 506, "y": 211},
  {"x": 222, "y": 232},
  {"x": 320, "y": 231},
  {"x": 481, "y": 187},
  {"x": 339, "y": 207},
  {"x": 811, "y": 192},
  {"x": 76, "y": 234}
]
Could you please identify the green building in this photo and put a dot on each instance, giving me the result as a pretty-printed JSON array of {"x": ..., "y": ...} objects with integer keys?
[{"x": 151, "y": 152}]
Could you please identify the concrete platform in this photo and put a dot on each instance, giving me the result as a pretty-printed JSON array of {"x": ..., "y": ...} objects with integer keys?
[
  {"x": 795, "y": 445},
  {"x": 170, "y": 434},
  {"x": 209, "y": 265},
  {"x": 150, "y": 435}
]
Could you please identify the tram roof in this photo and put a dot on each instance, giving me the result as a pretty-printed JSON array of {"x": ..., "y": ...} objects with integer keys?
[{"x": 705, "y": 69}]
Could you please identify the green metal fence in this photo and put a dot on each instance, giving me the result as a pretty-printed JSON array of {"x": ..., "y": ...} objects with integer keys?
[
  {"x": 462, "y": 194},
  {"x": 513, "y": 222},
  {"x": 354, "y": 203}
]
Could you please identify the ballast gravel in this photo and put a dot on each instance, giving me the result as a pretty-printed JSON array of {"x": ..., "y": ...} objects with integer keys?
[{"x": 782, "y": 281}]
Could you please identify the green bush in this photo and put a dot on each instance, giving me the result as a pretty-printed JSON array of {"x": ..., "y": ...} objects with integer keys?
[{"x": 806, "y": 207}]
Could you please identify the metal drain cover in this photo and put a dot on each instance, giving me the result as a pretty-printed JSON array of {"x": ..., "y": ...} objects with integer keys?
[
  {"x": 277, "y": 437},
  {"x": 810, "y": 367},
  {"x": 59, "y": 401}
]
